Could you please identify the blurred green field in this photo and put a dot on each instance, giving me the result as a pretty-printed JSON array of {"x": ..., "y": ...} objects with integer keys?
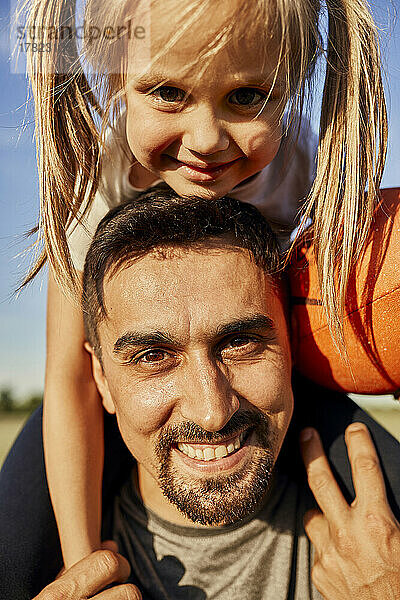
[
  {"x": 389, "y": 419},
  {"x": 11, "y": 424}
]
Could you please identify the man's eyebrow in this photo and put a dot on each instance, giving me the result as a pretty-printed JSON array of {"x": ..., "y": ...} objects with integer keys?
[
  {"x": 132, "y": 339},
  {"x": 136, "y": 338},
  {"x": 251, "y": 323}
]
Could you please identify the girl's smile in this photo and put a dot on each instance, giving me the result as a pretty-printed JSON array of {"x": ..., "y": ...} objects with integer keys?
[
  {"x": 202, "y": 172},
  {"x": 203, "y": 128}
]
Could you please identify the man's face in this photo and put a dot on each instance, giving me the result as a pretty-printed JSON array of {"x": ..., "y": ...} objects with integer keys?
[{"x": 196, "y": 365}]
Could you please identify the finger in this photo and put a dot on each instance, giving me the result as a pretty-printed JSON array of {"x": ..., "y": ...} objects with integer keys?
[
  {"x": 317, "y": 529},
  {"x": 325, "y": 584},
  {"x": 120, "y": 592},
  {"x": 110, "y": 545},
  {"x": 367, "y": 475},
  {"x": 320, "y": 479},
  {"x": 106, "y": 545},
  {"x": 89, "y": 576}
]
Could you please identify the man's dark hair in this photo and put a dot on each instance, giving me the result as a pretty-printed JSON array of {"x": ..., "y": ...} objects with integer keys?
[{"x": 159, "y": 219}]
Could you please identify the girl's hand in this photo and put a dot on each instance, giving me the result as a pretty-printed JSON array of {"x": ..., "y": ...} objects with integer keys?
[
  {"x": 91, "y": 575},
  {"x": 358, "y": 546}
]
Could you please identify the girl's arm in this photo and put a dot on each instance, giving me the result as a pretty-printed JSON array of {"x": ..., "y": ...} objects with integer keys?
[{"x": 72, "y": 429}]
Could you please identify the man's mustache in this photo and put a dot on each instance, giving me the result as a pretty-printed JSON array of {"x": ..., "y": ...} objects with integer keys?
[{"x": 188, "y": 432}]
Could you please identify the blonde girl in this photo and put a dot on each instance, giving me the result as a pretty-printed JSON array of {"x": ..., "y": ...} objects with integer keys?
[{"x": 199, "y": 103}]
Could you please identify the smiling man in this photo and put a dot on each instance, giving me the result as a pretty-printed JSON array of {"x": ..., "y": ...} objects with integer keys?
[
  {"x": 185, "y": 319},
  {"x": 184, "y": 312},
  {"x": 203, "y": 397}
]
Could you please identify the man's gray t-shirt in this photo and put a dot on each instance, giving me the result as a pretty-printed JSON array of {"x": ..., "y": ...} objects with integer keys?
[{"x": 265, "y": 556}]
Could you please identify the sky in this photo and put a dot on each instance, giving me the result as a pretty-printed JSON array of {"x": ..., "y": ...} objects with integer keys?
[{"x": 22, "y": 318}]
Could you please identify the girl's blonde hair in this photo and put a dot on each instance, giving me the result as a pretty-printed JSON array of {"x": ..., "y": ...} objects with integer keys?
[{"x": 73, "y": 110}]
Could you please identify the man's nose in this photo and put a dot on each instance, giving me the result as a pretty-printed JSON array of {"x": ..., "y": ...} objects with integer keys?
[
  {"x": 207, "y": 397},
  {"x": 205, "y": 133}
]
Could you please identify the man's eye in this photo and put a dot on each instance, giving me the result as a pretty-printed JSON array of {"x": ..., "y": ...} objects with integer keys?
[
  {"x": 239, "y": 341},
  {"x": 157, "y": 360},
  {"x": 168, "y": 94},
  {"x": 240, "y": 345},
  {"x": 152, "y": 357},
  {"x": 247, "y": 97}
]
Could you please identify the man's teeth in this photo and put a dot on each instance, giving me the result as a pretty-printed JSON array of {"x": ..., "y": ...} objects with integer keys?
[{"x": 211, "y": 453}]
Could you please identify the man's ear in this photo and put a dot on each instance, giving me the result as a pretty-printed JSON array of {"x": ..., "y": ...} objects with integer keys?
[{"x": 101, "y": 380}]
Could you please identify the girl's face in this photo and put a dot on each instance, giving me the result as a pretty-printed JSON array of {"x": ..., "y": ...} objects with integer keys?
[{"x": 204, "y": 129}]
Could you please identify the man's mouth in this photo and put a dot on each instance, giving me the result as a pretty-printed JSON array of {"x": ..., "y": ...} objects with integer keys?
[
  {"x": 207, "y": 452},
  {"x": 216, "y": 477}
]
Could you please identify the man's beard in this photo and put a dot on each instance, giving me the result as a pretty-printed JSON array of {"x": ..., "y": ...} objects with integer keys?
[{"x": 218, "y": 499}]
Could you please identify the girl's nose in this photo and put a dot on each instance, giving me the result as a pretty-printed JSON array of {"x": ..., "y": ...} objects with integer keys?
[{"x": 205, "y": 133}]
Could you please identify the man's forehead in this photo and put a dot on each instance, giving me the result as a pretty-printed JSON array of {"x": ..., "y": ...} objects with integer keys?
[
  {"x": 187, "y": 289},
  {"x": 185, "y": 274}
]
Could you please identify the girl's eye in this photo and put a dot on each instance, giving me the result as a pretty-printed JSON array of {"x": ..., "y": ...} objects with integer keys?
[
  {"x": 168, "y": 94},
  {"x": 247, "y": 97}
]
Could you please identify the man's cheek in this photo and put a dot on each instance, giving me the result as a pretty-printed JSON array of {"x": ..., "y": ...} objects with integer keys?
[
  {"x": 143, "y": 412},
  {"x": 131, "y": 430},
  {"x": 266, "y": 387}
]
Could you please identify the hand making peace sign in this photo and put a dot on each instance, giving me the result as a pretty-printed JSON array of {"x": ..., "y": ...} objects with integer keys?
[{"x": 357, "y": 546}]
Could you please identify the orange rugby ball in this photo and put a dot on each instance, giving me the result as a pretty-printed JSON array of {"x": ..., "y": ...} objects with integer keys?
[{"x": 372, "y": 312}]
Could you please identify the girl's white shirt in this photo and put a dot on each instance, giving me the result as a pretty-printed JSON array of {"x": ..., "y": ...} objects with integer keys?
[{"x": 277, "y": 191}]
